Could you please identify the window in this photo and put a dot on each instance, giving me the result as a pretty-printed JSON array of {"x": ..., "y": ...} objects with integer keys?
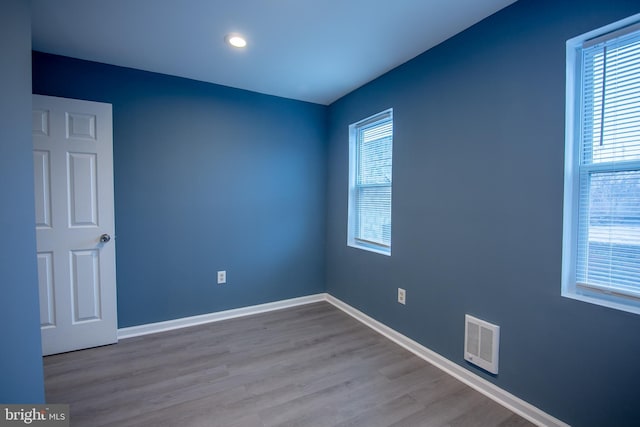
[
  {"x": 370, "y": 154},
  {"x": 601, "y": 242}
]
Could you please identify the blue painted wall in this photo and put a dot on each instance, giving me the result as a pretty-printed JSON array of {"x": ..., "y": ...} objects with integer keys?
[
  {"x": 21, "y": 378},
  {"x": 207, "y": 178},
  {"x": 212, "y": 178},
  {"x": 477, "y": 212}
]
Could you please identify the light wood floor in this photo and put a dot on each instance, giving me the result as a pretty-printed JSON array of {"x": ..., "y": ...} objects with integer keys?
[{"x": 311, "y": 365}]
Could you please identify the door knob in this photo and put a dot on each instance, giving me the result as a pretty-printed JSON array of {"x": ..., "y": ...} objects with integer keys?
[{"x": 105, "y": 238}]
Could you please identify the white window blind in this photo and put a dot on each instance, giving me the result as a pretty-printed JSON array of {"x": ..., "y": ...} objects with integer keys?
[
  {"x": 370, "y": 192},
  {"x": 607, "y": 253}
]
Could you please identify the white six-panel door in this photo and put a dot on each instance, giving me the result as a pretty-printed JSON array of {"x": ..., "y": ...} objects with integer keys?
[{"x": 73, "y": 171}]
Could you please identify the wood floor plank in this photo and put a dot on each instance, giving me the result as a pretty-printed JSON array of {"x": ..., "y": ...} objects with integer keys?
[
  {"x": 486, "y": 413},
  {"x": 444, "y": 410},
  {"x": 311, "y": 365}
]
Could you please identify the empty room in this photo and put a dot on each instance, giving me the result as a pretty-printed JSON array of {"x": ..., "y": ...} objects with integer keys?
[{"x": 320, "y": 213}]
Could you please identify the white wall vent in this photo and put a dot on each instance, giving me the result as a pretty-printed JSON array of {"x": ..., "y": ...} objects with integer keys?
[{"x": 481, "y": 341}]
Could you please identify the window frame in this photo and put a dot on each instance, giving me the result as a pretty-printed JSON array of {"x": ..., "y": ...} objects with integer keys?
[
  {"x": 593, "y": 294},
  {"x": 353, "y": 239}
]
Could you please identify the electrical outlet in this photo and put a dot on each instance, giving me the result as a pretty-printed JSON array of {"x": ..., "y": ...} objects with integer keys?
[
  {"x": 222, "y": 277},
  {"x": 402, "y": 296}
]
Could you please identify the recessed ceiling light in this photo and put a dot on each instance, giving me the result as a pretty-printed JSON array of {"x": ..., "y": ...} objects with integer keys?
[{"x": 236, "y": 40}]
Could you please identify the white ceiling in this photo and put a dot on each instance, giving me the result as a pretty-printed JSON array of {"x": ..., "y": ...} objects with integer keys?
[{"x": 310, "y": 50}]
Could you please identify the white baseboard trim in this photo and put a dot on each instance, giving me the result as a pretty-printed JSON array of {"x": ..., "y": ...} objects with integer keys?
[
  {"x": 503, "y": 397},
  {"x": 153, "y": 328}
]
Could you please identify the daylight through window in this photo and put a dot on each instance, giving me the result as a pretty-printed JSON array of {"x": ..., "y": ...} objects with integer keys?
[
  {"x": 602, "y": 171},
  {"x": 370, "y": 161}
]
